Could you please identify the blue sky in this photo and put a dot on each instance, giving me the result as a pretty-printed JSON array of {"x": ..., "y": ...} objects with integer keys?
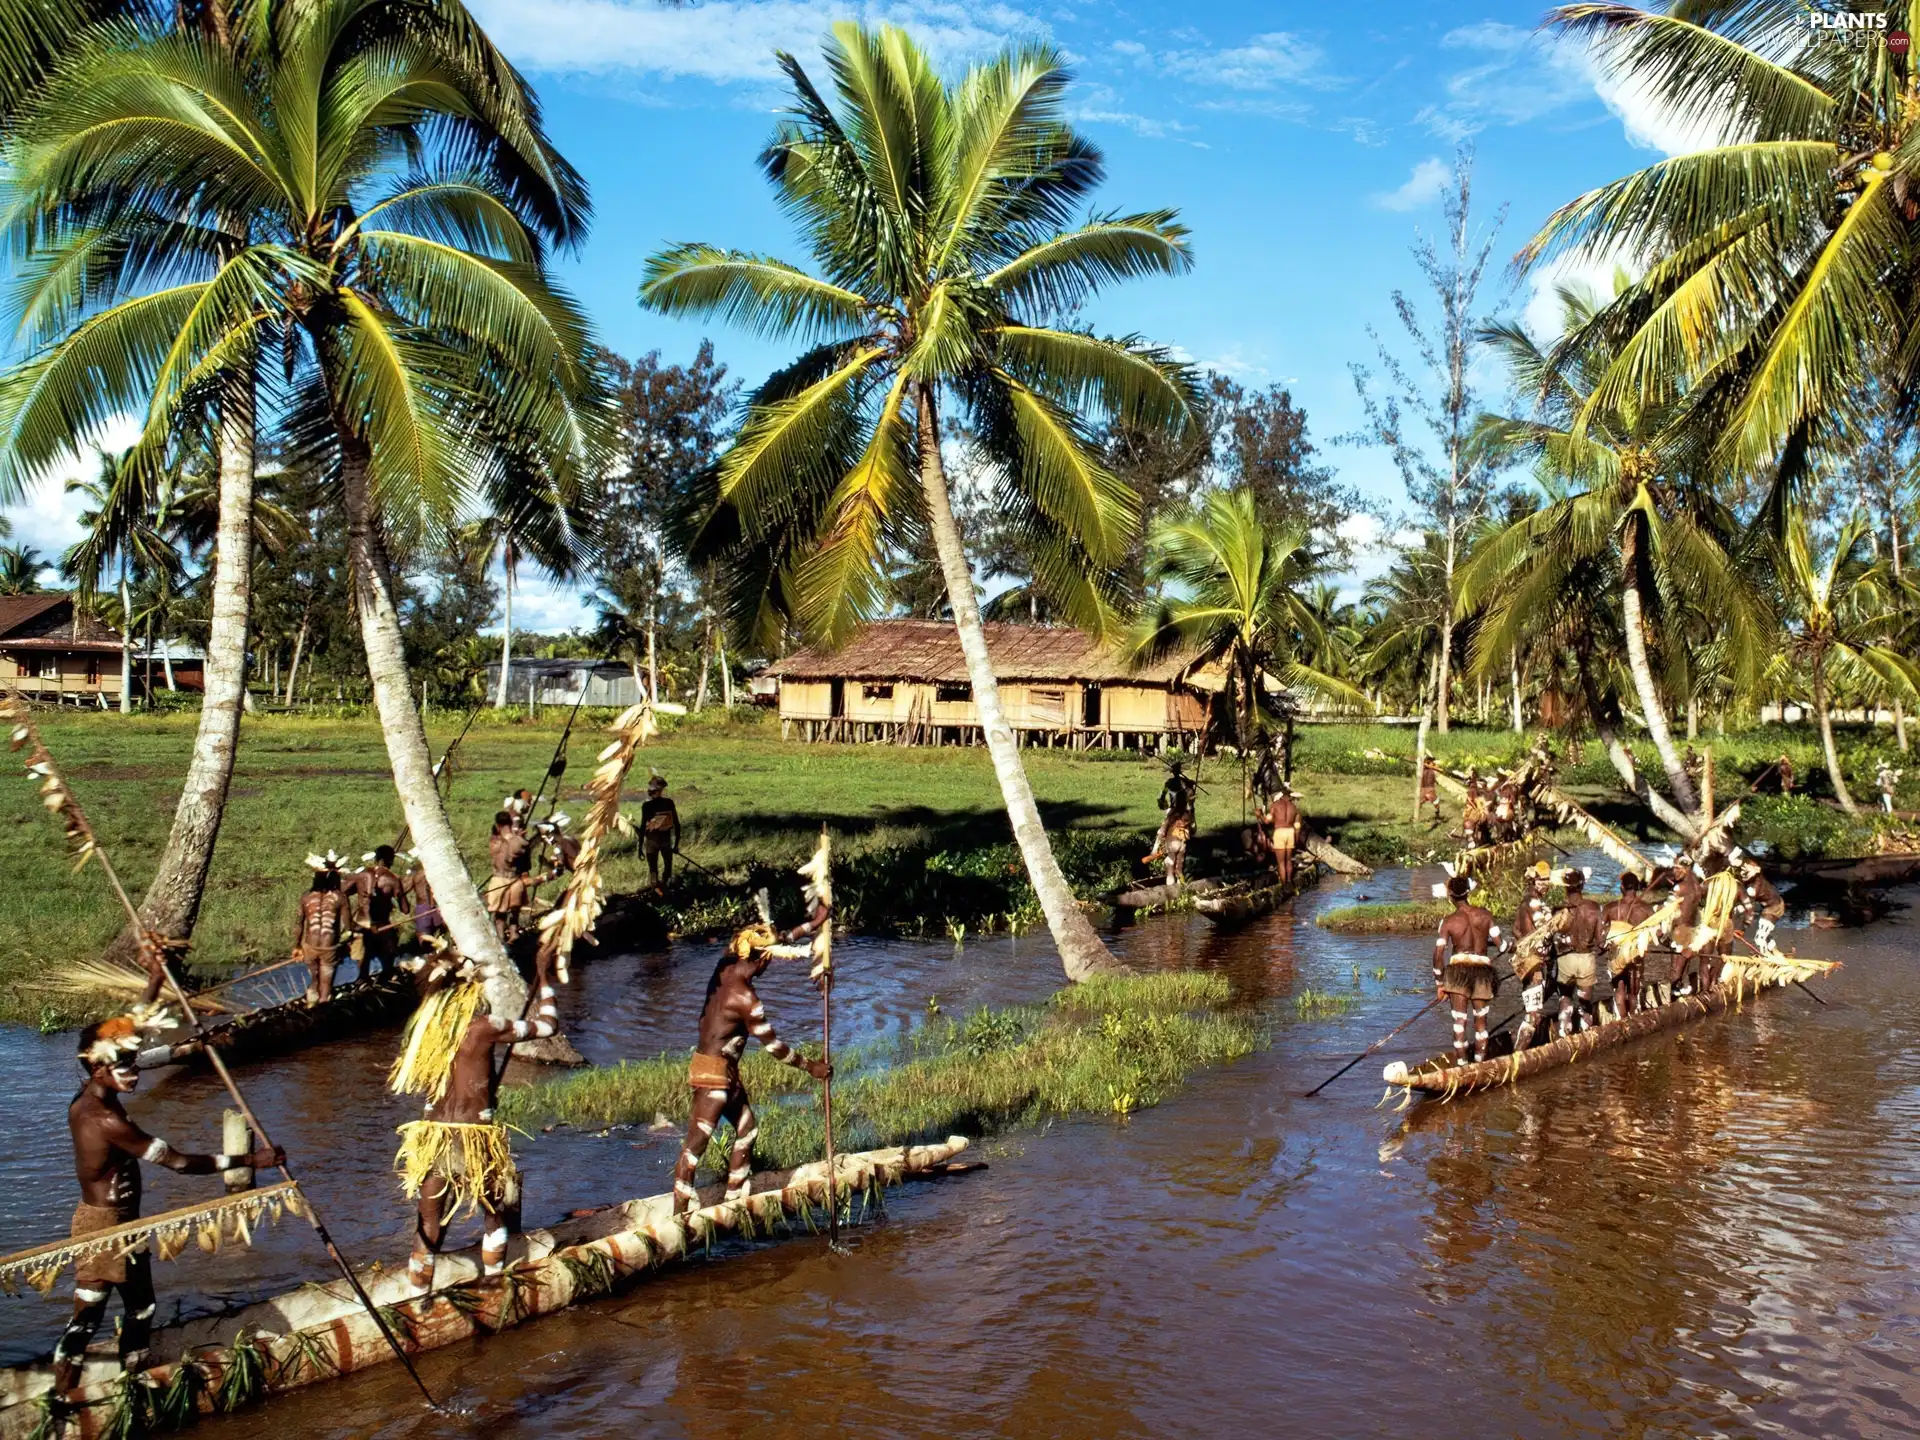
[{"x": 1304, "y": 146}]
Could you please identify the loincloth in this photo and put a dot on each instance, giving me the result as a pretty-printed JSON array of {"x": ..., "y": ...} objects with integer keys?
[
  {"x": 506, "y": 893},
  {"x": 1283, "y": 836},
  {"x": 1468, "y": 975},
  {"x": 108, "y": 1267},
  {"x": 1529, "y": 956},
  {"x": 318, "y": 955},
  {"x": 655, "y": 842},
  {"x": 1178, "y": 829},
  {"x": 426, "y": 920},
  {"x": 1696, "y": 939},
  {"x": 475, "y": 1160},
  {"x": 1577, "y": 967},
  {"x": 712, "y": 1072}
]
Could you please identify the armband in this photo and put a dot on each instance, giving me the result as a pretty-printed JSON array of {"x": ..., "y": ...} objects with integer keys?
[{"x": 157, "y": 1152}]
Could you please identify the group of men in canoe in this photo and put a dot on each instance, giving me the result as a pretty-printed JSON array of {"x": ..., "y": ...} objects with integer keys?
[
  {"x": 1271, "y": 837},
  {"x": 1592, "y": 963}
]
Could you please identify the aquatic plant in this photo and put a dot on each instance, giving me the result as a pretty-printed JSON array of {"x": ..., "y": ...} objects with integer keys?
[
  {"x": 1397, "y": 917},
  {"x": 1131, "y": 1038},
  {"x": 1311, "y": 1004}
]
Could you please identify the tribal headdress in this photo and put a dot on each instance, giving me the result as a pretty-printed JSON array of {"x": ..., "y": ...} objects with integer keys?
[
  {"x": 1458, "y": 884},
  {"x": 328, "y": 861},
  {"x": 118, "y": 1039},
  {"x": 757, "y": 936}
]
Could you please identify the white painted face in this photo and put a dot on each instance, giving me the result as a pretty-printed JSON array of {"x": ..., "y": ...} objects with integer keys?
[{"x": 124, "y": 1077}]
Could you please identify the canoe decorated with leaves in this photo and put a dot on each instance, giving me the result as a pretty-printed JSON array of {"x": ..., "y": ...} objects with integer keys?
[
  {"x": 1441, "y": 1078},
  {"x": 320, "y": 1331}
]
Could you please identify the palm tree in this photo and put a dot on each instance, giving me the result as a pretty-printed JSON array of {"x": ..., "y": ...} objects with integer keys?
[
  {"x": 1781, "y": 265},
  {"x": 938, "y": 217},
  {"x": 1631, "y": 493},
  {"x": 530, "y": 523},
  {"x": 401, "y": 285},
  {"x": 20, "y": 567},
  {"x": 169, "y": 265},
  {"x": 1843, "y": 608},
  {"x": 1236, "y": 595},
  {"x": 126, "y": 524}
]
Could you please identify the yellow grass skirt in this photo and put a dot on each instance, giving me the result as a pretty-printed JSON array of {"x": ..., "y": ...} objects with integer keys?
[
  {"x": 475, "y": 1160},
  {"x": 433, "y": 1034}
]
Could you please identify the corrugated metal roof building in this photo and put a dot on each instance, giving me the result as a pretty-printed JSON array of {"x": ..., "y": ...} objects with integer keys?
[{"x": 905, "y": 681}]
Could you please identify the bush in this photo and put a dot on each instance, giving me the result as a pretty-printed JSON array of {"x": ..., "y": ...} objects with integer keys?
[{"x": 1797, "y": 827}]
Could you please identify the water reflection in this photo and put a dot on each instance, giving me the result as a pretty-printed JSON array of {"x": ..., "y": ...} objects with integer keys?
[{"x": 1706, "y": 1232}]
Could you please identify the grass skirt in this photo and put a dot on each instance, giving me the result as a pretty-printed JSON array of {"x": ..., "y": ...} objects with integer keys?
[{"x": 475, "y": 1160}]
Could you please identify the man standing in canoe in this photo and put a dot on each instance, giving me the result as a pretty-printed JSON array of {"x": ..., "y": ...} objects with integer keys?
[
  {"x": 507, "y": 885},
  {"x": 1530, "y": 954},
  {"x": 324, "y": 915},
  {"x": 107, "y": 1151},
  {"x": 1170, "y": 844},
  {"x": 1713, "y": 922},
  {"x": 1283, "y": 831},
  {"x": 425, "y": 909},
  {"x": 733, "y": 1012},
  {"x": 380, "y": 895},
  {"x": 1760, "y": 903},
  {"x": 1622, "y": 917},
  {"x": 1463, "y": 967},
  {"x": 1578, "y": 932},
  {"x": 457, "y": 1154}
]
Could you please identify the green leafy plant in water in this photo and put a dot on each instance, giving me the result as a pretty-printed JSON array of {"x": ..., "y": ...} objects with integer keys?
[
  {"x": 244, "y": 1379},
  {"x": 1313, "y": 1004},
  {"x": 988, "y": 1031}
]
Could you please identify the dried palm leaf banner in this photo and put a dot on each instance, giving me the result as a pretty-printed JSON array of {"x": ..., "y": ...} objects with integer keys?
[
  {"x": 231, "y": 1217},
  {"x": 577, "y": 911},
  {"x": 1569, "y": 811}
]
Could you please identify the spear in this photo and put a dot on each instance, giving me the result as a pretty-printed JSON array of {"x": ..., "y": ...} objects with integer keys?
[
  {"x": 557, "y": 766},
  {"x": 1373, "y": 1047},
  {"x": 58, "y": 798}
]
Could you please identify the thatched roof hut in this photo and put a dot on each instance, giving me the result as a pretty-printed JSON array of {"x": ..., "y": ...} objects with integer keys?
[{"x": 906, "y": 681}]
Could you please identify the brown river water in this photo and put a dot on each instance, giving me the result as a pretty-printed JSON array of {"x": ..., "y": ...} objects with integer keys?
[{"x": 1707, "y": 1232}]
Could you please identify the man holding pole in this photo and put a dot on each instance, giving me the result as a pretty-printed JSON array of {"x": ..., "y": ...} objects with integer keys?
[
  {"x": 379, "y": 895},
  {"x": 107, "y": 1151},
  {"x": 659, "y": 832},
  {"x": 1463, "y": 967}
]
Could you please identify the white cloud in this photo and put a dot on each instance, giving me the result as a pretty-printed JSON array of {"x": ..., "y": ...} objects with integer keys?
[
  {"x": 1544, "y": 315},
  {"x": 1422, "y": 187},
  {"x": 544, "y": 606},
  {"x": 1651, "y": 124},
  {"x": 727, "y": 41},
  {"x": 1264, "y": 62},
  {"x": 47, "y": 517}
]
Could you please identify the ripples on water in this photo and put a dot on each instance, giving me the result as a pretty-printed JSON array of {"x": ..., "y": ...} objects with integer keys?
[{"x": 1703, "y": 1233}]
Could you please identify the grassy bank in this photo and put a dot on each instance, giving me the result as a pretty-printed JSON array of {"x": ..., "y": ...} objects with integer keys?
[
  {"x": 1106, "y": 1047},
  {"x": 1396, "y": 917}
]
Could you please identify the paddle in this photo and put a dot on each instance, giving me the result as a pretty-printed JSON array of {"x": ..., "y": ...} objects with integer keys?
[
  {"x": 1763, "y": 955},
  {"x": 54, "y": 787},
  {"x": 557, "y": 766},
  {"x": 1373, "y": 1047}
]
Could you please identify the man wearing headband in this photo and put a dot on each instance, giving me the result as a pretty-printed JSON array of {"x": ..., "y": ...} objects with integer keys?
[
  {"x": 1578, "y": 933},
  {"x": 323, "y": 922},
  {"x": 1170, "y": 844},
  {"x": 1283, "y": 830},
  {"x": 107, "y": 1151},
  {"x": 1462, "y": 967},
  {"x": 381, "y": 895}
]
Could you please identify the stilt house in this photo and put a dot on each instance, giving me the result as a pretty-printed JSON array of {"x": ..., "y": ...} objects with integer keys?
[
  {"x": 905, "y": 682},
  {"x": 46, "y": 653}
]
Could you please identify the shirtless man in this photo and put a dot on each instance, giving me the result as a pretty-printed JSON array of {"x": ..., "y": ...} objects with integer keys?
[
  {"x": 733, "y": 1012},
  {"x": 1760, "y": 904},
  {"x": 659, "y": 832},
  {"x": 1429, "y": 789},
  {"x": 1530, "y": 954},
  {"x": 1475, "y": 811},
  {"x": 324, "y": 914},
  {"x": 457, "y": 1154},
  {"x": 1463, "y": 966},
  {"x": 1714, "y": 921},
  {"x": 1170, "y": 844},
  {"x": 379, "y": 894},
  {"x": 1887, "y": 780},
  {"x": 1266, "y": 773},
  {"x": 507, "y": 885},
  {"x": 1688, "y": 891},
  {"x": 107, "y": 1151},
  {"x": 1621, "y": 916},
  {"x": 1283, "y": 829},
  {"x": 425, "y": 909},
  {"x": 1786, "y": 773},
  {"x": 1578, "y": 933}
]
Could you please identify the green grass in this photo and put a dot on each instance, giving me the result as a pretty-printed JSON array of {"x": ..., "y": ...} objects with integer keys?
[
  {"x": 1395, "y": 917},
  {"x": 1106, "y": 1047}
]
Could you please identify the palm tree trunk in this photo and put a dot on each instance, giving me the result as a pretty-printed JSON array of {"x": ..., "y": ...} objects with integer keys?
[
  {"x": 1420, "y": 741},
  {"x": 126, "y": 645},
  {"x": 1641, "y": 668},
  {"x": 653, "y": 659},
  {"x": 726, "y": 679},
  {"x": 706, "y": 663},
  {"x": 1622, "y": 758},
  {"x": 1513, "y": 674},
  {"x": 293, "y": 670},
  {"x": 426, "y": 814},
  {"x": 1081, "y": 952},
  {"x": 172, "y": 902},
  {"x": 506, "y": 647},
  {"x": 166, "y": 662},
  {"x": 1823, "y": 711}
]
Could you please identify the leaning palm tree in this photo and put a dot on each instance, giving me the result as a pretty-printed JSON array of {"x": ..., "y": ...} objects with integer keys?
[
  {"x": 1623, "y": 483},
  {"x": 164, "y": 261},
  {"x": 1235, "y": 594},
  {"x": 125, "y": 524},
  {"x": 1843, "y": 607},
  {"x": 394, "y": 270},
  {"x": 1781, "y": 264},
  {"x": 939, "y": 220}
]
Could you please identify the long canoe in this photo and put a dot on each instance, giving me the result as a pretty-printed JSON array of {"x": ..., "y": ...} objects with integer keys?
[
  {"x": 291, "y": 1025},
  {"x": 319, "y": 1332},
  {"x": 1441, "y": 1078},
  {"x": 1237, "y": 907}
]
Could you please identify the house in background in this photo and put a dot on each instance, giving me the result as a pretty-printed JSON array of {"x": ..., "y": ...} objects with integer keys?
[
  {"x": 905, "y": 681},
  {"x": 534, "y": 682},
  {"x": 46, "y": 655}
]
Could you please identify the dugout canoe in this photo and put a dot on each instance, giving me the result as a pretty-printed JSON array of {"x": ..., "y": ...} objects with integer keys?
[
  {"x": 1237, "y": 907},
  {"x": 1440, "y": 1078},
  {"x": 275, "y": 1030},
  {"x": 319, "y": 1331},
  {"x": 1144, "y": 899}
]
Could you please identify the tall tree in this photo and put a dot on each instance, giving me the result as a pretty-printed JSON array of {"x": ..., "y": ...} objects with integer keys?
[
  {"x": 1423, "y": 414},
  {"x": 126, "y": 528},
  {"x": 1261, "y": 446},
  {"x": 431, "y": 362},
  {"x": 939, "y": 218},
  {"x": 116, "y": 260},
  {"x": 20, "y": 567}
]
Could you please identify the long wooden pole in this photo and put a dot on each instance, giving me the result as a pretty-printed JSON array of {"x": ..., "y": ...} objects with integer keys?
[
  {"x": 77, "y": 820},
  {"x": 1373, "y": 1047},
  {"x": 826, "y": 1102}
]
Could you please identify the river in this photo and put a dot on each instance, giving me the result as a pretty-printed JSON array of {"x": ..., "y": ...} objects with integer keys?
[{"x": 1708, "y": 1232}]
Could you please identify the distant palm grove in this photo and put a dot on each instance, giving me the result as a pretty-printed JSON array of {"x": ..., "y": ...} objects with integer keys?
[{"x": 282, "y": 277}]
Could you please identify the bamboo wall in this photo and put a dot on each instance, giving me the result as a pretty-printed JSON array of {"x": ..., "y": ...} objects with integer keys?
[{"x": 1041, "y": 712}]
